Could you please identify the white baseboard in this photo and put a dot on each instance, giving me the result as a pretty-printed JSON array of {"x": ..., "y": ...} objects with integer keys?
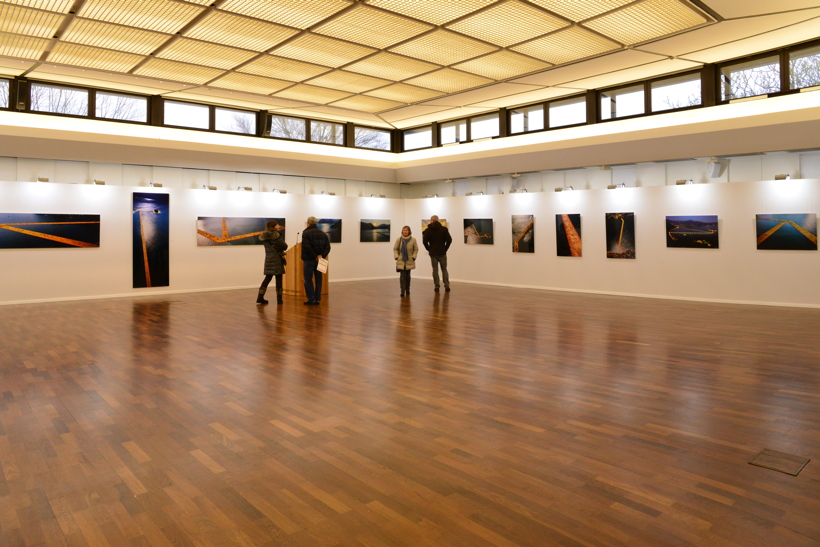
[
  {"x": 638, "y": 295},
  {"x": 469, "y": 282},
  {"x": 160, "y": 293}
]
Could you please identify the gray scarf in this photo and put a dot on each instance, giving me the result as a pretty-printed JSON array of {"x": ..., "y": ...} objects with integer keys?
[{"x": 404, "y": 248}]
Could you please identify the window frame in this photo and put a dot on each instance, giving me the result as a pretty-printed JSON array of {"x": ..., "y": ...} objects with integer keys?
[
  {"x": 11, "y": 94},
  {"x": 647, "y": 96},
  {"x": 304, "y": 120},
  {"x": 433, "y": 136},
  {"x": 136, "y": 95},
  {"x": 91, "y": 96},
  {"x": 785, "y": 60},
  {"x": 546, "y": 106},
  {"x": 388, "y": 131},
  {"x": 784, "y": 73},
  {"x": 468, "y": 132},
  {"x": 214, "y": 108},
  {"x": 309, "y": 133}
]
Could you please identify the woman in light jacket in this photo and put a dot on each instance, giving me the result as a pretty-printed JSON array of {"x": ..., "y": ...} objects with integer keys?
[
  {"x": 405, "y": 251},
  {"x": 275, "y": 248}
]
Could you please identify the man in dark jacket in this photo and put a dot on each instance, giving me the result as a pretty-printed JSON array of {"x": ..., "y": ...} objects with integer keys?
[
  {"x": 315, "y": 244},
  {"x": 437, "y": 240}
]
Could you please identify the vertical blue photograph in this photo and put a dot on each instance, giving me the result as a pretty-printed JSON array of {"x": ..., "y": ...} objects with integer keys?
[{"x": 150, "y": 240}]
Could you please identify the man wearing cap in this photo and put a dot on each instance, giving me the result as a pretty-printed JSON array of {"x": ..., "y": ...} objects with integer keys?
[{"x": 315, "y": 244}]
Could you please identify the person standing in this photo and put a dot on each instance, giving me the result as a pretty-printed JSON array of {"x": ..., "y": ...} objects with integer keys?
[
  {"x": 405, "y": 251},
  {"x": 437, "y": 240},
  {"x": 275, "y": 248},
  {"x": 315, "y": 244}
]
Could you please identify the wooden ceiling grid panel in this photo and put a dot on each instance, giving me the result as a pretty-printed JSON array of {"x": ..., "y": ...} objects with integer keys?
[
  {"x": 105, "y": 35},
  {"x": 159, "y": 15},
  {"x": 228, "y": 29},
  {"x": 91, "y": 57},
  {"x": 322, "y": 50},
  {"x": 205, "y": 54},
  {"x": 253, "y": 84},
  {"x": 508, "y": 23},
  {"x": 60, "y": 6},
  {"x": 385, "y": 53},
  {"x": 29, "y": 22}
]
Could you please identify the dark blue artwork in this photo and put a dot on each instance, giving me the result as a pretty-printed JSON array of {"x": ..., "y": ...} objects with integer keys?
[{"x": 150, "y": 240}]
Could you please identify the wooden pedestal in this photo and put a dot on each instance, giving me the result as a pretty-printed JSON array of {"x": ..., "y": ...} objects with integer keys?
[{"x": 294, "y": 280}]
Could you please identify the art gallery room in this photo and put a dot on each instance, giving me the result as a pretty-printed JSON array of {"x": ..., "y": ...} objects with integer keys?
[{"x": 621, "y": 352}]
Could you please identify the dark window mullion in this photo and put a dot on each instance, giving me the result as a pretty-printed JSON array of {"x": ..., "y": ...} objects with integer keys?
[
  {"x": 92, "y": 103},
  {"x": 785, "y": 71},
  {"x": 211, "y": 118},
  {"x": 307, "y": 131}
]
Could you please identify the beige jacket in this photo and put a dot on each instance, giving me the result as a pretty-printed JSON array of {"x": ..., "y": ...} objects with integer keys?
[{"x": 412, "y": 253}]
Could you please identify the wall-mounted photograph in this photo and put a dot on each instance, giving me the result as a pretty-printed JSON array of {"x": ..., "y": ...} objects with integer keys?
[
  {"x": 332, "y": 227},
  {"x": 150, "y": 243},
  {"x": 478, "y": 231},
  {"x": 787, "y": 232},
  {"x": 692, "y": 231},
  {"x": 223, "y": 231},
  {"x": 425, "y": 222},
  {"x": 374, "y": 230},
  {"x": 523, "y": 233},
  {"x": 568, "y": 235},
  {"x": 620, "y": 235},
  {"x": 40, "y": 231}
]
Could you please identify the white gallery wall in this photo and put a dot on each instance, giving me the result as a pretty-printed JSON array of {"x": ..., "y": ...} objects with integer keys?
[
  {"x": 28, "y": 275},
  {"x": 736, "y": 272}
]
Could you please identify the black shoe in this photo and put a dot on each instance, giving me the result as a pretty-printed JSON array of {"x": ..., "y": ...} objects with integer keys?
[
  {"x": 407, "y": 293},
  {"x": 436, "y": 289},
  {"x": 309, "y": 303},
  {"x": 446, "y": 289}
]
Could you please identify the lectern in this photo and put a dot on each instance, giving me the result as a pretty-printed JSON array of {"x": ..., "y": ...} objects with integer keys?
[{"x": 294, "y": 279}]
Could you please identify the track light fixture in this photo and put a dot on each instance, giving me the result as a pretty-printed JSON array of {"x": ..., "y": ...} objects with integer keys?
[
  {"x": 206, "y": 187},
  {"x": 278, "y": 191},
  {"x": 684, "y": 181},
  {"x": 99, "y": 182},
  {"x": 614, "y": 186},
  {"x": 431, "y": 196},
  {"x": 150, "y": 184},
  {"x": 783, "y": 177},
  {"x": 522, "y": 190},
  {"x": 326, "y": 193},
  {"x": 245, "y": 189},
  {"x": 377, "y": 196},
  {"x": 42, "y": 179},
  {"x": 475, "y": 193}
]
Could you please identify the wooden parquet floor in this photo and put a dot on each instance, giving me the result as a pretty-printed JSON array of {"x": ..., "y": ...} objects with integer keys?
[{"x": 483, "y": 417}]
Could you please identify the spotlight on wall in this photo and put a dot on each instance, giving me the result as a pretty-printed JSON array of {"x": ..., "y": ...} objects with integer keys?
[
  {"x": 450, "y": 181},
  {"x": 278, "y": 191},
  {"x": 431, "y": 196},
  {"x": 684, "y": 181},
  {"x": 42, "y": 179},
  {"x": 614, "y": 186},
  {"x": 515, "y": 175},
  {"x": 99, "y": 182},
  {"x": 326, "y": 193},
  {"x": 206, "y": 187},
  {"x": 567, "y": 188},
  {"x": 150, "y": 184},
  {"x": 782, "y": 177},
  {"x": 559, "y": 189},
  {"x": 474, "y": 194},
  {"x": 245, "y": 189},
  {"x": 377, "y": 196},
  {"x": 522, "y": 190}
]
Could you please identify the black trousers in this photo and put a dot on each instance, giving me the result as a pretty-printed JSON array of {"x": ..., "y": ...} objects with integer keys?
[
  {"x": 267, "y": 280},
  {"x": 404, "y": 280}
]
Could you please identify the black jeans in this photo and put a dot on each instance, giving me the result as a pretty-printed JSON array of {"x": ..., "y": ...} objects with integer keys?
[
  {"x": 404, "y": 280},
  {"x": 267, "y": 280}
]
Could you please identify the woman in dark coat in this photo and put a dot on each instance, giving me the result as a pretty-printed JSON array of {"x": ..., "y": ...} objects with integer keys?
[{"x": 275, "y": 248}]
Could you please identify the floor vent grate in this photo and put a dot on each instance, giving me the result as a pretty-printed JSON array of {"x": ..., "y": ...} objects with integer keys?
[{"x": 780, "y": 461}]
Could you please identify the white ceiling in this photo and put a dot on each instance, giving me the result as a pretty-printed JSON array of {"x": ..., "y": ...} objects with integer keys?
[{"x": 741, "y": 27}]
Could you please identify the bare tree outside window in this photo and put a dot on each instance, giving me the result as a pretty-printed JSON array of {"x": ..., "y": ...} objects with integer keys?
[
  {"x": 285, "y": 127},
  {"x": 372, "y": 138},
  {"x": 750, "y": 79},
  {"x": 59, "y": 100},
  {"x": 804, "y": 68},
  {"x": 4, "y": 93},
  {"x": 114, "y": 106},
  {"x": 235, "y": 121},
  {"x": 673, "y": 93},
  {"x": 332, "y": 133}
]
